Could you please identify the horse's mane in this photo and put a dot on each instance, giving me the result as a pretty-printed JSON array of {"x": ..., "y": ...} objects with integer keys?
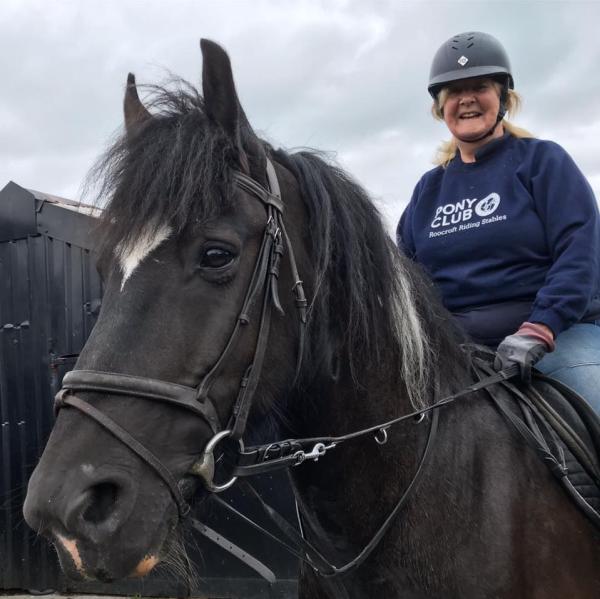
[
  {"x": 373, "y": 311},
  {"x": 175, "y": 169},
  {"x": 371, "y": 302}
]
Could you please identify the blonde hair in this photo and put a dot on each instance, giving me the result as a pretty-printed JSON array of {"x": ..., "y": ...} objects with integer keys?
[{"x": 447, "y": 149}]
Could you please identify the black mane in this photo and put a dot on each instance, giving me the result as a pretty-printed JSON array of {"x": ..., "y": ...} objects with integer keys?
[
  {"x": 177, "y": 169},
  {"x": 363, "y": 282}
]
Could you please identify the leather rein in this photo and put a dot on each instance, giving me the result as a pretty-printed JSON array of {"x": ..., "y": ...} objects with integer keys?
[{"x": 263, "y": 458}]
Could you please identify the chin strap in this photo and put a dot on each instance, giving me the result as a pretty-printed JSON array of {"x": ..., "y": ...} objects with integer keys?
[
  {"x": 499, "y": 118},
  {"x": 486, "y": 134}
]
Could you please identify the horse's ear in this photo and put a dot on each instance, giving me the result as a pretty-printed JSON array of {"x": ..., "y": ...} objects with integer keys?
[
  {"x": 220, "y": 98},
  {"x": 135, "y": 111}
]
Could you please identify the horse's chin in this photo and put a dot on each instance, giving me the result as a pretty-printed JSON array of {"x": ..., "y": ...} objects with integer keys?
[
  {"x": 69, "y": 556},
  {"x": 78, "y": 565},
  {"x": 133, "y": 552},
  {"x": 83, "y": 560},
  {"x": 145, "y": 566}
]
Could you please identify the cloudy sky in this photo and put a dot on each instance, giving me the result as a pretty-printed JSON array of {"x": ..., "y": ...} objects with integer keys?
[{"x": 345, "y": 76}]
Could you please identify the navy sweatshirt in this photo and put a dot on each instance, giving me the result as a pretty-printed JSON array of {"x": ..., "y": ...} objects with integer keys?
[{"x": 513, "y": 236}]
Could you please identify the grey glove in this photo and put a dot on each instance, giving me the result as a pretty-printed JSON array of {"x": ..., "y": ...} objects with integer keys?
[{"x": 522, "y": 350}]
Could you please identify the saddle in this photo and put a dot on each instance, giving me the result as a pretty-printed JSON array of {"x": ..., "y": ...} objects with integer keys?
[{"x": 560, "y": 426}]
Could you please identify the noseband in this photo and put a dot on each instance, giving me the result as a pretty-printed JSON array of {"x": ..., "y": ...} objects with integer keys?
[{"x": 263, "y": 284}]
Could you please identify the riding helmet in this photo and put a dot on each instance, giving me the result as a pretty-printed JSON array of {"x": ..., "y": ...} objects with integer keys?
[{"x": 467, "y": 55}]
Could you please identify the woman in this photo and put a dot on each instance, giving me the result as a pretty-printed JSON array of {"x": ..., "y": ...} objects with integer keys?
[{"x": 506, "y": 225}]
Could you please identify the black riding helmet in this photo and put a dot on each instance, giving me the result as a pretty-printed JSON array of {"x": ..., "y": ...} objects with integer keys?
[
  {"x": 467, "y": 55},
  {"x": 473, "y": 54}
]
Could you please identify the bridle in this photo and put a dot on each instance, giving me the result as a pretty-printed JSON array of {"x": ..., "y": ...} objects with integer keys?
[
  {"x": 259, "y": 459},
  {"x": 263, "y": 286}
]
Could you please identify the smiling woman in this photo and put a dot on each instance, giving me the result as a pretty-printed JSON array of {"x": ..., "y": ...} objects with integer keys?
[
  {"x": 523, "y": 271},
  {"x": 472, "y": 98},
  {"x": 470, "y": 110}
]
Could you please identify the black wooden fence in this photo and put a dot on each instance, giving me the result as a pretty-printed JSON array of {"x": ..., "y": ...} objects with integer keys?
[{"x": 50, "y": 295}]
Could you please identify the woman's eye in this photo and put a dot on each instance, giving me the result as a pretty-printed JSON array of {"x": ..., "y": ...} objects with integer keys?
[{"x": 216, "y": 258}]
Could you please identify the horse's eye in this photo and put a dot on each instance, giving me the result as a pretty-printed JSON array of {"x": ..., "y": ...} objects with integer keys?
[{"x": 216, "y": 258}]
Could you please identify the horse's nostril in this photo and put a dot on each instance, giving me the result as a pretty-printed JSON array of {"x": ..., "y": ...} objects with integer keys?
[{"x": 103, "y": 498}]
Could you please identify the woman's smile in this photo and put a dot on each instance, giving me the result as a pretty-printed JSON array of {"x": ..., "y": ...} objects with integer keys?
[{"x": 470, "y": 109}]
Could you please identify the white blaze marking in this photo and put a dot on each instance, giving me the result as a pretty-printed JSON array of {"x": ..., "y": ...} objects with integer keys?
[{"x": 131, "y": 256}]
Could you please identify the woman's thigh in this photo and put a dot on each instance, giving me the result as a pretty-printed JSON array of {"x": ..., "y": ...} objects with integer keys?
[{"x": 576, "y": 361}]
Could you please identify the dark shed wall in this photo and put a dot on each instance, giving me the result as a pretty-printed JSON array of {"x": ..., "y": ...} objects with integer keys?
[{"x": 48, "y": 287}]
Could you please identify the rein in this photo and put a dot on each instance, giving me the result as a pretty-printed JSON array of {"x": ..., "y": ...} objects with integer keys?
[
  {"x": 262, "y": 458},
  {"x": 293, "y": 452}
]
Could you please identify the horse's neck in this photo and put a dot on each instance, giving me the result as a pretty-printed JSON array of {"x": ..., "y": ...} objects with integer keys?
[
  {"x": 357, "y": 473},
  {"x": 478, "y": 488},
  {"x": 336, "y": 408},
  {"x": 345, "y": 497},
  {"x": 360, "y": 481}
]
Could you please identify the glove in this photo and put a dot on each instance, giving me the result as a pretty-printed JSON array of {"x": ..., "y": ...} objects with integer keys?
[{"x": 520, "y": 349}]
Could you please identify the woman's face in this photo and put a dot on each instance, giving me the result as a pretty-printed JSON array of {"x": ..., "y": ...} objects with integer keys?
[{"x": 471, "y": 107}]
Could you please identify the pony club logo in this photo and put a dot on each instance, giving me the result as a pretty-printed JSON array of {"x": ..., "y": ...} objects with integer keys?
[
  {"x": 488, "y": 205},
  {"x": 465, "y": 214}
]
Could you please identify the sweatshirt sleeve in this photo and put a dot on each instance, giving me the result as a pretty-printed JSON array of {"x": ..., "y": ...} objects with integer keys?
[{"x": 566, "y": 205}]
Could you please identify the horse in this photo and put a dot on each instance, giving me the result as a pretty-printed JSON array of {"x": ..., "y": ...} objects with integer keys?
[{"x": 251, "y": 292}]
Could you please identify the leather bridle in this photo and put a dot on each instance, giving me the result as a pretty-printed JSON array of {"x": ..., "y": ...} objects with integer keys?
[
  {"x": 263, "y": 287},
  {"x": 265, "y": 458}
]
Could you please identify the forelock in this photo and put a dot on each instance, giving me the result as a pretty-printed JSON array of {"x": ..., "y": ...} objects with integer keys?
[{"x": 175, "y": 170}]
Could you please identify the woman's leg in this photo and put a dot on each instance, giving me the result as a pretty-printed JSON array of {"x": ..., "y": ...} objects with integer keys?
[{"x": 576, "y": 362}]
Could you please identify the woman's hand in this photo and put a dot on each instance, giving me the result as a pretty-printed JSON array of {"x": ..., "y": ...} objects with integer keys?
[
  {"x": 522, "y": 350},
  {"x": 526, "y": 347}
]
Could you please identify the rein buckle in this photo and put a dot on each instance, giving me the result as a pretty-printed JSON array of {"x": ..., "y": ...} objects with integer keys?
[{"x": 320, "y": 449}]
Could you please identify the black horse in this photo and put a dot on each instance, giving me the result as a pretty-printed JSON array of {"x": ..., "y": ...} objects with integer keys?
[{"x": 204, "y": 312}]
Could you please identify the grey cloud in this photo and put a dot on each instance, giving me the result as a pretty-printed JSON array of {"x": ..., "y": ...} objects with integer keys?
[{"x": 344, "y": 76}]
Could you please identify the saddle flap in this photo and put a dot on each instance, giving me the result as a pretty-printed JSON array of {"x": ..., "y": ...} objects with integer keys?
[{"x": 559, "y": 426}]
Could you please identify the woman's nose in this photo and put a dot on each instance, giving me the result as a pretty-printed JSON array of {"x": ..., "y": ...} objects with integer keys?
[{"x": 466, "y": 98}]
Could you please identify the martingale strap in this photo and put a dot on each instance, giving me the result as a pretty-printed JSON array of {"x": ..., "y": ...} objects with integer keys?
[
  {"x": 293, "y": 452},
  {"x": 300, "y": 547}
]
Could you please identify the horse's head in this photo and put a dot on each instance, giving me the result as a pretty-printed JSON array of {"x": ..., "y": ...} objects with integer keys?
[{"x": 190, "y": 258}]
